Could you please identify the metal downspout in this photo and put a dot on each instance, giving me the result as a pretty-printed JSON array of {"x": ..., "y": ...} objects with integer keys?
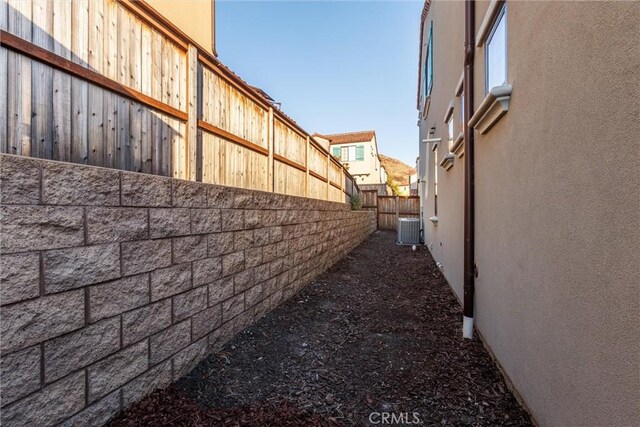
[{"x": 469, "y": 180}]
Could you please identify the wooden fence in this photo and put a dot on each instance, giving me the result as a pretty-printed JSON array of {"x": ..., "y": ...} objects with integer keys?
[
  {"x": 112, "y": 83},
  {"x": 389, "y": 208}
]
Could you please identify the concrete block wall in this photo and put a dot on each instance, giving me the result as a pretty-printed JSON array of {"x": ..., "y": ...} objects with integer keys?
[{"x": 115, "y": 283}]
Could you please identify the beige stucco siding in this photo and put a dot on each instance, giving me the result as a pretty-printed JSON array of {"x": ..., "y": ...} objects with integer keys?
[
  {"x": 193, "y": 17},
  {"x": 445, "y": 240},
  {"x": 369, "y": 170},
  {"x": 557, "y": 205}
]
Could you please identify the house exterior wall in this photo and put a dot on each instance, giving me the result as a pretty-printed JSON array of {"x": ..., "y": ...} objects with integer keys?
[
  {"x": 193, "y": 17},
  {"x": 557, "y": 194},
  {"x": 113, "y": 284},
  {"x": 369, "y": 170}
]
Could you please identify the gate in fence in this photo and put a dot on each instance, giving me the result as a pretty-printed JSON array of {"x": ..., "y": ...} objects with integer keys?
[{"x": 389, "y": 208}]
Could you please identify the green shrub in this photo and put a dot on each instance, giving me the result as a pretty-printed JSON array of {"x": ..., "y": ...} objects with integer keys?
[{"x": 356, "y": 202}]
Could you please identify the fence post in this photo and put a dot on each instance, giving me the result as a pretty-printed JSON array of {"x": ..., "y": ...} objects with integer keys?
[
  {"x": 397, "y": 210},
  {"x": 270, "y": 136},
  {"x": 328, "y": 168},
  {"x": 192, "y": 116},
  {"x": 306, "y": 165}
]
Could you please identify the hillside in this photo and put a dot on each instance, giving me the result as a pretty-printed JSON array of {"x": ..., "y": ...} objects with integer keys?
[{"x": 398, "y": 171}]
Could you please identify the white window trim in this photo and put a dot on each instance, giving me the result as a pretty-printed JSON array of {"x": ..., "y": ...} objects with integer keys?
[
  {"x": 493, "y": 107},
  {"x": 487, "y": 22}
]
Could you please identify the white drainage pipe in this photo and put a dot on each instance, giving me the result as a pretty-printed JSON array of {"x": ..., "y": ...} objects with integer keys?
[{"x": 467, "y": 327}]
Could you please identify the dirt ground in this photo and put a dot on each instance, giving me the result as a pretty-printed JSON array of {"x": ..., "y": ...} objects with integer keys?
[{"x": 378, "y": 335}]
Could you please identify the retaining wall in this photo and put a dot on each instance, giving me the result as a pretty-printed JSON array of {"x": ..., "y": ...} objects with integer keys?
[{"x": 115, "y": 283}]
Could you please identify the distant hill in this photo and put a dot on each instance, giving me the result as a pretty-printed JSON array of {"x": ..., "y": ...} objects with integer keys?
[{"x": 397, "y": 170}]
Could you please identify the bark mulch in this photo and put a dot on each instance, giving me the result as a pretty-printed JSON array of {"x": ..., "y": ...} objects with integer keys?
[{"x": 380, "y": 332}]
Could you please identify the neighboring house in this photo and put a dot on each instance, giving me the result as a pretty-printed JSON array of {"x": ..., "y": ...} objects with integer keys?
[
  {"x": 358, "y": 150},
  {"x": 553, "y": 225},
  {"x": 413, "y": 185},
  {"x": 404, "y": 189}
]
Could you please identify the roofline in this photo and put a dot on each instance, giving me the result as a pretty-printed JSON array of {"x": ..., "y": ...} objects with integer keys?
[{"x": 425, "y": 11}]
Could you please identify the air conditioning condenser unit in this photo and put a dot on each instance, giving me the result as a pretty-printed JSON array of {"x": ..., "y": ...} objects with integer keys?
[{"x": 409, "y": 231}]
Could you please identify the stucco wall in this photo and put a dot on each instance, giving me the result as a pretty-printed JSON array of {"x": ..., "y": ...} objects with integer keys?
[
  {"x": 193, "y": 17},
  {"x": 557, "y": 207},
  {"x": 370, "y": 165},
  {"x": 445, "y": 240},
  {"x": 114, "y": 283}
]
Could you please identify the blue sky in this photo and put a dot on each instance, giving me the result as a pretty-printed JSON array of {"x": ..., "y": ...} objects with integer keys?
[{"x": 336, "y": 66}]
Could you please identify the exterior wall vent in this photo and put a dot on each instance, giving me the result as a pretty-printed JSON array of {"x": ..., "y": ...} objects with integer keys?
[{"x": 409, "y": 231}]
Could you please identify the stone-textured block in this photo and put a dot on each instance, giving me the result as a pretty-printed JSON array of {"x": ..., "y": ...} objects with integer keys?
[
  {"x": 276, "y": 267},
  {"x": 205, "y": 221},
  {"x": 269, "y": 252},
  {"x": 170, "y": 341},
  {"x": 145, "y": 321},
  {"x": 97, "y": 414},
  {"x": 253, "y": 257},
  {"x": 262, "y": 273},
  {"x": 157, "y": 377},
  {"x": 206, "y": 321},
  {"x": 75, "y": 267},
  {"x": 220, "y": 290},
  {"x": 232, "y": 263},
  {"x": 19, "y": 180},
  {"x": 232, "y": 307},
  {"x": 189, "y": 194},
  {"x": 78, "y": 349},
  {"x": 145, "y": 255},
  {"x": 253, "y": 218},
  {"x": 189, "y": 248},
  {"x": 187, "y": 359},
  {"x": 170, "y": 281},
  {"x": 189, "y": 303},
  {"x": 253, "y": 295},
  {"x": 106, "y": 225},
  {"x": 100, "y": 187},
  {"x": 232, "y": 219},
  {"x": 145, "y": 190},
  {"x": 243, "y": 199},
  {"x": 219, "y": 337},
  {"x": 34, "y": 228},
  {"x": 219, "y": 197},
  {"x": 20, "y": 374},
  {"x": 116, "y": 370},
  {"x": 242, "y": 240},
  {"x": 169, "y": 222},
  {"x": 116, "y": 297},
  {"x": 220, "y": 244},
  {"x": 244, "y": 280},
  {"x": 261, "y": 236},
  {"x": 19, "y": 277},
  {"x": 30, "y": 322},
  {"x": 49, "y": 406},
  {"x": 206, "y": 270}
]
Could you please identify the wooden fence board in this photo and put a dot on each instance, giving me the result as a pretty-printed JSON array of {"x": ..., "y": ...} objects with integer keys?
[{"x": 105, "y": 83}]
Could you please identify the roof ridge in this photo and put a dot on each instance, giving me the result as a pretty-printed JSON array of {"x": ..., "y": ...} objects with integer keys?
[{"x": 349, "y": 133}]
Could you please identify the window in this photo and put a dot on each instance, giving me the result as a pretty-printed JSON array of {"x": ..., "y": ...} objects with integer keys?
[
  {"x": 350, "y": 153},
  {"x": 428, "y": 66},
  {"x": 462, "y": 112},
  {"x": 450, "y": 129},
  {"x": 435, "y": 182},
  {"x": 495, "y": 53},
  {"x": 336, "y": 152}
]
